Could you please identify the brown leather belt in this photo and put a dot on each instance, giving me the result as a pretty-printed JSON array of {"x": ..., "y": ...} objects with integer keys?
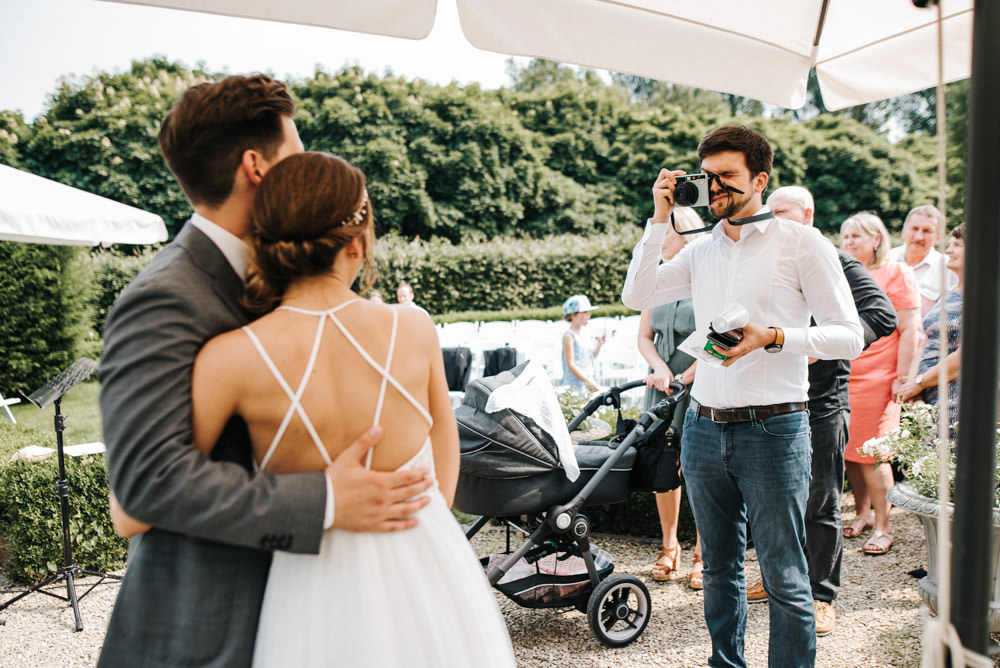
[{"x": 748, "y": 413}]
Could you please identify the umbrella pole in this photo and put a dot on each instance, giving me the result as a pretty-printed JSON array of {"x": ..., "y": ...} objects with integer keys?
[{"x": 973, "y": 528}]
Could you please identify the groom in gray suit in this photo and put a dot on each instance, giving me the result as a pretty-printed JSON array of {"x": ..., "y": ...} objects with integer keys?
[{"x": 194, "y": 584}]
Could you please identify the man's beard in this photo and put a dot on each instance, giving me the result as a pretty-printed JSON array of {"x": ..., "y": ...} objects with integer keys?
[{"x": 729, "y": 207}]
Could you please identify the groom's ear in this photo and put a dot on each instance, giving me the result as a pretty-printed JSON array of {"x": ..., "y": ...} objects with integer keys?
[{"x": 253, "y": 166}]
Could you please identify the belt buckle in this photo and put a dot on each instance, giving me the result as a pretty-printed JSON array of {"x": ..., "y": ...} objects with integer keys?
[{"x": 711, "y": 416}]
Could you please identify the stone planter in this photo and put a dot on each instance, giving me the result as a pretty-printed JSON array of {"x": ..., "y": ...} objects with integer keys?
[{"x": 905, "y": 497}]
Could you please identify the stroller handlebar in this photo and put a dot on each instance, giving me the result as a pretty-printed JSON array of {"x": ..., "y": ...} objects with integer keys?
[
  {"x": 665, "y": 407},
  {"x": 609, "y": 397}
]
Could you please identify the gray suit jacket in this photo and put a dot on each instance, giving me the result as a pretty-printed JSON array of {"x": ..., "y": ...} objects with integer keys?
[{"x": 193, "y": 587}]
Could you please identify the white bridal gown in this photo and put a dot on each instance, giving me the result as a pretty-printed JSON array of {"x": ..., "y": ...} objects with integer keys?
[{"x": 410, "y": 598}]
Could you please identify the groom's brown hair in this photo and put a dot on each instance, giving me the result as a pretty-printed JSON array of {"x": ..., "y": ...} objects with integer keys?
[{"x": 205, "y": 133}]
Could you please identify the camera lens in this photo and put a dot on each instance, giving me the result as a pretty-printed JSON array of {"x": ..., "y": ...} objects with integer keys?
[{"x": 685, "y": 194}]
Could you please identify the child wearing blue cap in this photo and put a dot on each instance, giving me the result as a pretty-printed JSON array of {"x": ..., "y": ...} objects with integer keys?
[{"x": 577, "y": 355}]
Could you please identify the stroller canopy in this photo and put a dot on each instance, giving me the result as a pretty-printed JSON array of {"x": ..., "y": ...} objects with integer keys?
[{"x": 504, "y": 444}]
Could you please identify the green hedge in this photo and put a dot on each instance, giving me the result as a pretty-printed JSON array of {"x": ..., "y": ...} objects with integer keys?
[
  {"x": 58, "y": 297},
  {"x": 46, "y": 321},
  {"x": 110, "y": 271},
  {"x": 506, "y": 274},
  {"x": 30, "y": 517}
]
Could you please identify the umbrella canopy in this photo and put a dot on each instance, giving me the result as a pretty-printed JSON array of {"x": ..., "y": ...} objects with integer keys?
[
  {"x": 37, "y": 210},
  {"x": 862, "y": 50},
  {"x": 394, "y": 18}
]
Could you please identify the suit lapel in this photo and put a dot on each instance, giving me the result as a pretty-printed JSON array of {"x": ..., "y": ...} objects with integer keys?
[{"x": 207, "y": 256}]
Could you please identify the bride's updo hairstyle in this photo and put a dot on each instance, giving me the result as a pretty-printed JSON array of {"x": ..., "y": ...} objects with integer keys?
[{"x": 307, "y": 207}]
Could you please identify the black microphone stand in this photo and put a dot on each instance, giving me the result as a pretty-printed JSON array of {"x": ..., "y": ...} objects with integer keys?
[{"x": 50, "y": 393}]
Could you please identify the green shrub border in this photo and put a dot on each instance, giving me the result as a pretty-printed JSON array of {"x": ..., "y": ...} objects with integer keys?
[{"x": 30, "y": 517}]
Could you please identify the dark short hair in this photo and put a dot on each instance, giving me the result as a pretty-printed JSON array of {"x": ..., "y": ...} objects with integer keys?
[
  {"x": 205, "y": 133},
  {"x": 959, "y": 232},
  {"x": 753, "y": 145}
]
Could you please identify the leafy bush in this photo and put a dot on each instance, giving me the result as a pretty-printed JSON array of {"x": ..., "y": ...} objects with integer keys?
[
  {"x": 637, "y": 516},
  {"x": 507, "y": 274},
  {"x": 13, "y": 133},
  {"x": 550, "y": 313},
  {"x": 30, "y": 513},
  {"x": 46, "y": 320},
  {"x": 110, "y": 271}
]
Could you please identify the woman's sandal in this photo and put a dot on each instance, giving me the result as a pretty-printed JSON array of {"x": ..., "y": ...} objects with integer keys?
[
  {"x": 696, "y": 568},
  {"x": 858, "y": 526},
  {"x": 666, "y": 565},
  {"x": 879, "y": 543}
]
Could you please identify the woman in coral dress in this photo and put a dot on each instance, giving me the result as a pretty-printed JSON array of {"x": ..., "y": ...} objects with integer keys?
[{"x": 876, "y": 377}]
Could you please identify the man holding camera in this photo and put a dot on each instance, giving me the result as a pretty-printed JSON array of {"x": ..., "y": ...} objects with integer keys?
[{"x": 745, "y": 451}]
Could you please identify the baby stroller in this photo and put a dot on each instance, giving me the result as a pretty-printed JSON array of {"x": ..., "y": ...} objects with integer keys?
[{"x": 511, "y": 474}]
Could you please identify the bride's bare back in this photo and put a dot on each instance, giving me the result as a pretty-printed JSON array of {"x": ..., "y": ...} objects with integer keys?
[{"x": 232, "y": 378}]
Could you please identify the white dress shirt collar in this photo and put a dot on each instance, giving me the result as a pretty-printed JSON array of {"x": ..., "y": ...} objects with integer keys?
[{"x": 230, "y": 245}]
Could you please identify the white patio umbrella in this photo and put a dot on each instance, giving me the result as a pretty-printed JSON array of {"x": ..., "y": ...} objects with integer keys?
[
  {"x": 863, "y": 50},
  {"x": 37, "y": 210}
]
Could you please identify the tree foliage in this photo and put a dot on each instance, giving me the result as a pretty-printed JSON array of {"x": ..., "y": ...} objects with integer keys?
[
  {"x": 13, "y": 134},
  {"x": 558, "y": 151},
  {"x": 100, "y": 134}
]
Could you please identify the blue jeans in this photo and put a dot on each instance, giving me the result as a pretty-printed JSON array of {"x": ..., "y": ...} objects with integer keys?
[{"x": 756, "y": 472}]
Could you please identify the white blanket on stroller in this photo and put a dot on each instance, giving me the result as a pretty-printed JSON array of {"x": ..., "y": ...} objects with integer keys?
[{"x": 531, "y": 394}]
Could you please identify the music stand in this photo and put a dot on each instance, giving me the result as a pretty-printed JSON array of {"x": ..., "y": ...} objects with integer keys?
[{"x": 50, "y": 393}]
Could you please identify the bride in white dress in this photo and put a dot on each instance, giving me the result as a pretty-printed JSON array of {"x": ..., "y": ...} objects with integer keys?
[{"x": 308, "y": 378}]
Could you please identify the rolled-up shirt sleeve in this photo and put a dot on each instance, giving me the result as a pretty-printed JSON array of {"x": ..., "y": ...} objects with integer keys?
[
  {"x": 649, "y": 283},
  {"x": 837, "y": 333}
]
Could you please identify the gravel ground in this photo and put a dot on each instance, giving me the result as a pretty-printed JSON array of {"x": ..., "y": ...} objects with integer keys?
[{"x": 879, "y": 616}]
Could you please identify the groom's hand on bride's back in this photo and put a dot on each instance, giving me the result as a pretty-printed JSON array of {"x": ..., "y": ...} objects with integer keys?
[{"x": 367, "y": 500}]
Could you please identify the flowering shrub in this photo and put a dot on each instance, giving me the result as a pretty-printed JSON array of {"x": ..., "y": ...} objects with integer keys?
[{"x": 913, "y": 447}]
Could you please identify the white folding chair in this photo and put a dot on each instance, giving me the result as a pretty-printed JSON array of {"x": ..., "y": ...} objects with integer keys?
[{"x": 7, "y": 403}]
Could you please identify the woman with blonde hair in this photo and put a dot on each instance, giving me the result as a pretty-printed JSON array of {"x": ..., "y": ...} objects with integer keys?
[{"x": 877, "y": 376}]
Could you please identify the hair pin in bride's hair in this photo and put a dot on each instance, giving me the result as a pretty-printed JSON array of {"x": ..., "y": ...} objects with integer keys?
[{"x": 358, "y": 216}]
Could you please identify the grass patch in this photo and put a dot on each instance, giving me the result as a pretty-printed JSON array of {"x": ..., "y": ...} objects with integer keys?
[{"x": 79, "y": 405}]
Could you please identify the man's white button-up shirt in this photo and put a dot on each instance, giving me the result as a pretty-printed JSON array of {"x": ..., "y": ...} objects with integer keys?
[{"x": 782, "y": 273}]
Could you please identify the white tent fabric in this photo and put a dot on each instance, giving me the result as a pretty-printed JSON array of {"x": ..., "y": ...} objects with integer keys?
[
  {"x": 863, "y": 50},
  {"x": 37, "y": 210},
  {"x": 395, "y": 18}
]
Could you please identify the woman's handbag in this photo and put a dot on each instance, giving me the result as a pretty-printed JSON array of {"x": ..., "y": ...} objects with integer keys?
[{"x": 658, "y": 458}]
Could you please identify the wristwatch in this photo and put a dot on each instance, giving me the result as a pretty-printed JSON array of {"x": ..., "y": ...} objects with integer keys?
[
  {"x": 919, "y": 380},
  {"x": 779, "y": 341}
]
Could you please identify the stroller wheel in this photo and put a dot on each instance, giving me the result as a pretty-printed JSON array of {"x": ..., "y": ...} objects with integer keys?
[{"x": 618, "y": 610}]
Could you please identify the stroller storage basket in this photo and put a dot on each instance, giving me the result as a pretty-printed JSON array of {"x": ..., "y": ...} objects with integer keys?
[{"x": 549, "y": 578}]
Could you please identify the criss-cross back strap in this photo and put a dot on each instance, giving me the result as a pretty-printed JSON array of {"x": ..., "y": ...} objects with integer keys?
[
  {"x": 387, "y": 378},
  {"x": 295, "y": 398}
]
